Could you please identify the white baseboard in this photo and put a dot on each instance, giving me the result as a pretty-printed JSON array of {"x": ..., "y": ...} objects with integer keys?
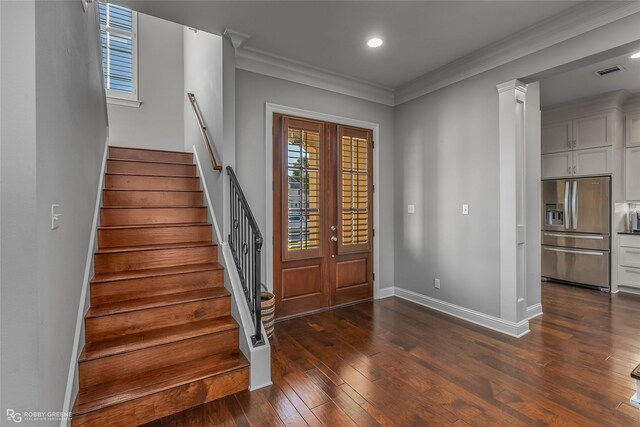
[
  {"x": 534, "y": 310},
  {"x": 491, "y": 322},
  {"x": 626, "y": 290},
  {"x": 635, "y": 400},
  {"x": 203, "y": 181},
  {"x": 385, "y": 292},
  {"x": 88, "y": 269}
]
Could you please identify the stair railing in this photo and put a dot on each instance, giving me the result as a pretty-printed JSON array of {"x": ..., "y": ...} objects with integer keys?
[
  {"x": 203, "y": 130},
  {"x": 245, "y": 241}
]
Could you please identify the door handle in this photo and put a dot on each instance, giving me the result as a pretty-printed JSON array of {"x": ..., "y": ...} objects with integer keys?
[
  {"x": 566, "y": 205},
  {"x": 333, "y": 228},
  {"x": 568, "y": 251},
  {"x": 574, "y": 205},
  {"x": 334, "y": 239},
  {"x": 574, "y": 236}
]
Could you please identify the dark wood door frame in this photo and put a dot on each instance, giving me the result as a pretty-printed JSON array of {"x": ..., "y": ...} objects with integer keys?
[{"x": 331, "y": 273}]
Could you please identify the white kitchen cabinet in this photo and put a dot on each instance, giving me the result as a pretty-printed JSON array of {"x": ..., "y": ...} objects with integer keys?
[
  {"x": 595, "y": 161},
  {"x": 633, "y": 130},
  {"x": 629, "y": 261},
  {"x": 557, "y": 137},
  {"x": 632, "y": 174},
  {"x": 593, "y": 131},
  {"x": 557, "y": 165},
  {"x": 578, "y": 134}
]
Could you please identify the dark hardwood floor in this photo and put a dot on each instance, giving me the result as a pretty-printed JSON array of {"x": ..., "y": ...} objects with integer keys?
[{"x": 391, "y": 362}]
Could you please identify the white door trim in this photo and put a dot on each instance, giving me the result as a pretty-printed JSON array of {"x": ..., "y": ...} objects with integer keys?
[{"x": 270, "y": 109}]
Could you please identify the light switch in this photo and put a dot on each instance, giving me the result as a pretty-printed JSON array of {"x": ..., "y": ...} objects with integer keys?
[
  {"x": 465, "y": 209},
  {"x": 411, "y": 209},
  {"x": 55, "y": 216}
]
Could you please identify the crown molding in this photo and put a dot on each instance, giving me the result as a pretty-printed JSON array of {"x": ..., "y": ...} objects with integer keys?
[
  {"x": 577, "y": 20},
  {"x": 236, "y": 38},
  {"x": 512, "y": 85},
  {"x": 260, "y": 62}
]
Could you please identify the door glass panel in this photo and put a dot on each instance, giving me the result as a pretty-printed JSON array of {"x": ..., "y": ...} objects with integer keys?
[
  {"x": 303, "y": 189},
  {"x": 354, "y": 172}
]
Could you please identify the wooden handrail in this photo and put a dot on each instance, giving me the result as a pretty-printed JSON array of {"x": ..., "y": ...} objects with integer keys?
[{"x": 203, "y": 130}]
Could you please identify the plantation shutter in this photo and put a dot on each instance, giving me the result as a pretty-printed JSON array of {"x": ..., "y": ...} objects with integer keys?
[{"x": 119, "y": 50}]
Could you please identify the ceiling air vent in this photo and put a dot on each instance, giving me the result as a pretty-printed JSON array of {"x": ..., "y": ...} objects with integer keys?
[{"x": 608, "y": 70}]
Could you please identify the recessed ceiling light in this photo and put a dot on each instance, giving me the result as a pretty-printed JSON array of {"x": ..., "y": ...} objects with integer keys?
[
  {"x": 374, "y": 42},
  {"x": 635, "y": 55}
]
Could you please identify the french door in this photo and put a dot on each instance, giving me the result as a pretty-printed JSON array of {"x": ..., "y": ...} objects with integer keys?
[{"x": 323, "y": 216}]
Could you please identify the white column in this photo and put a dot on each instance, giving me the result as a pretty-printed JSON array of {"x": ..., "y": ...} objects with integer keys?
[{"x": 512, "y": 203}]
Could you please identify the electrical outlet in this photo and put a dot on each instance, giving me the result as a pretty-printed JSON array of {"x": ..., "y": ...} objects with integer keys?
[
  {"x": 436, "y": 283},
  {"x": 465, "y": 209},
  {"x": 411, "y": 209}
]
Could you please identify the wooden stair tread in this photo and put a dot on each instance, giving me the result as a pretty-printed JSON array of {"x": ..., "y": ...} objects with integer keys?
[
  {"x": 154, "y": 247},
  {"x": 159, "y": 150},
  {"x": 146, "y": 176},
  {"x": 108, "y": 394},
  {"x": 166, "y": 225},
  {"x": 118, "y": 159},
  {"x": 154, "y": 207},
  {"x": 146, "y": 190},
  {"x": 126, "y": 343},
  {"x": 636, "y": 373},
  {"x": 156, "y": 301},
  {"x": 154, "y": 272}
]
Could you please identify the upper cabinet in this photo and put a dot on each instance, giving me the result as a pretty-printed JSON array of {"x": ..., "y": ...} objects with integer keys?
[
  {"x": 557, "y": 137},
  {"x": 588, "y": 162},
  {"x": 586, "y": 138},
  {"x": 632, "y": 174},
  {"x": 584, "y": 132},
  {"x": 633, "y": 130},
  {"x": 593, "y": 131}
]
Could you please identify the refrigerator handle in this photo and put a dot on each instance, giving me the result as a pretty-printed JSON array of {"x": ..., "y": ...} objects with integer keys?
[
  {"x": 574, "y": 205},
  {"x": 566, "y": 205}
]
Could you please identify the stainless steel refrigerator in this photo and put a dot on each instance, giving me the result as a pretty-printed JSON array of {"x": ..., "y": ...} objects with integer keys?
[{"x": 576, "y": 231}]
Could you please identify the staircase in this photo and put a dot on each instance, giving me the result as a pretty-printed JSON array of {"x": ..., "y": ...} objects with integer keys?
[{"x": 159, "y": 336}]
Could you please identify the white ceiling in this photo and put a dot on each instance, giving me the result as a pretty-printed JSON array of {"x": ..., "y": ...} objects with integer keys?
[
  {"x": 418, "y": 36},
  {"x": 582, "y": 83}
]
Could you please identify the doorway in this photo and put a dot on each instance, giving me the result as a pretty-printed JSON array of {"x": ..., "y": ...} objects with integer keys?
[{"x": 322, "y": 214}]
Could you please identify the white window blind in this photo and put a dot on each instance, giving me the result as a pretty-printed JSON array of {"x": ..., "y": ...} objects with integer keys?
[{"x": 118, "y": 27}]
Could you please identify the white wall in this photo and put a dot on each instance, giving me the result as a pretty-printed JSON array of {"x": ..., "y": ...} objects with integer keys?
[
  {"x": 159, "y": 121},
  {"x": 53, "y": 135},
  {"x": 254, "y": 90},
  {"x": 447, "y": 154},
  {"x": 203, "y": 77}
]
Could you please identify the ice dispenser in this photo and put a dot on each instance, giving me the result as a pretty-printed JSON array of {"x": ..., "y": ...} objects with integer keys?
[{"x": 554, "y": 214}]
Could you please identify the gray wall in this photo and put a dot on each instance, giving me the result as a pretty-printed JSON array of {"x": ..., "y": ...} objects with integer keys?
[
  {"x": 53, "y": 137},
  {"x": 158, "y": 122},
  {"x": 18, "y": 235},
  {"x": 203, "y": 77},
  {"x": 254, "y": 90},
  {"x": 447, "y": 150}
]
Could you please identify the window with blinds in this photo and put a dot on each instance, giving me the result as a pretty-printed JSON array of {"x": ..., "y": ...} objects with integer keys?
[
  {"x": 303, "y": 189},
  {"x": 354, "y": 189},
  {"x": 118, "y": 27}
]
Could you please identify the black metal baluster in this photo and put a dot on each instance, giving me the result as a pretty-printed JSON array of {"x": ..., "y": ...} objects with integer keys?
[{"x": 245, "y": 242}]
